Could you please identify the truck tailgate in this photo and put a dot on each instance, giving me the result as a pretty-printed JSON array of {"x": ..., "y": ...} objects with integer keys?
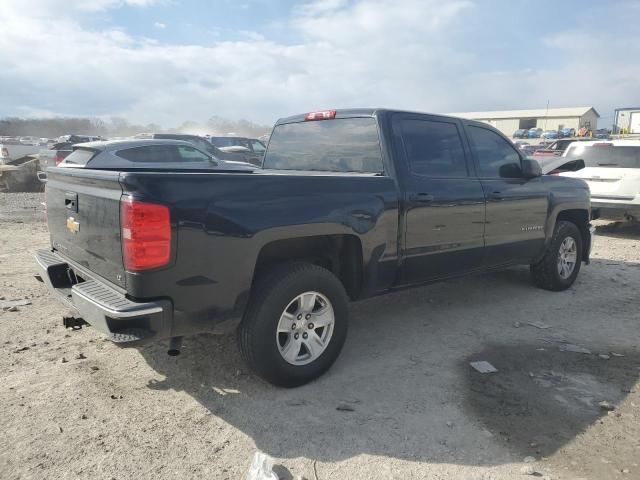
[{"x": 83, "y": 214}]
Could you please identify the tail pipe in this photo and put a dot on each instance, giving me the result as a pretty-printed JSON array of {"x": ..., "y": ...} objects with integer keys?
[{"x": 175, "y": 344}]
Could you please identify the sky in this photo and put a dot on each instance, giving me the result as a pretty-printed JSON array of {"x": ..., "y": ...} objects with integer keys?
[{"x": 168, "y": 61}]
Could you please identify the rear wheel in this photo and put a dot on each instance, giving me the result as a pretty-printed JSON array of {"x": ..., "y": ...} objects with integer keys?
[
  {"x": 295, "y": 325},
  {"x": 560, "y": 265}
]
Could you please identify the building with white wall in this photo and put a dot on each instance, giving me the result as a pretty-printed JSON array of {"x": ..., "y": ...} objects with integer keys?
[
  {"x": 627, "y": 119},
  {"x": 508, "y": 121}
]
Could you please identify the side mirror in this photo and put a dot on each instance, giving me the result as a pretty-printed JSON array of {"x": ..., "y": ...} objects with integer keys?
[{"x": 531, "y": 168}]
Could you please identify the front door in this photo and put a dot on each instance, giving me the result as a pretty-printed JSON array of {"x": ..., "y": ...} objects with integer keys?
[
  {"x": 444, "y": 205},
  {"x": 517, "y": 207}
]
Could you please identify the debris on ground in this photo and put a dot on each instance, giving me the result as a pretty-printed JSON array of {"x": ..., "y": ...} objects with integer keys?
[
  {"x": 261, "y": 468},
  {"x": 343, "y": 407},
  {"x": 529, "y": 459},
  {"x": 614, "y": 354},
  {"x": 604, "y": 356},
  {"x": 604, "y": 405},
  {"x": 81, "y": 356},
  {"x": 517, "y": 324},
  {"x": 21, "y": 349},
  {"x": 540, "y": 325},
  {"x": 9, "y": 305},
  {"x": 569, "y": 347},
  {"x": 529, "y": 470},
  {"x": 483, "y": 367}
]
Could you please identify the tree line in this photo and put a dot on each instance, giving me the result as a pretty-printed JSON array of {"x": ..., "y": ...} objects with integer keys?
[{"x": 121, "y": 127}]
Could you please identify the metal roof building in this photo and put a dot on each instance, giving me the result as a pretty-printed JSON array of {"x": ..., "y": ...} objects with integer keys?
[{"x": 508, "y": 121}]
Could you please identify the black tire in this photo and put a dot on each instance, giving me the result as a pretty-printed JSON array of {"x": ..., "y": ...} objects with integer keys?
[
  {"x": 545, "y": 273},
  {"x": 271, "y": 295}
]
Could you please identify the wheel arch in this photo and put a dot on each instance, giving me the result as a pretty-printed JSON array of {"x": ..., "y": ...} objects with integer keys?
[
  {"x": 341, "y": 254},
  {"x": 580, "y": 218}
]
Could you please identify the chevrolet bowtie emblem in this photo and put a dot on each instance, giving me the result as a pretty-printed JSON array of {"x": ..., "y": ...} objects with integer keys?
[{"x": 72, "y": 225}]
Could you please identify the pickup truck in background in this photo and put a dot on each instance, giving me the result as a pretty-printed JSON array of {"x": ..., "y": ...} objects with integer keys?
[{"x": 349, "y": 204}]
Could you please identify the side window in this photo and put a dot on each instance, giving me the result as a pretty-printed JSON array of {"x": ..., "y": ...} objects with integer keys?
[
  {"x": 190, "y": 154},
  {"x": 258, "y": 147},
  {"x": 496, "y": 157},
  {"x": 149, "y": 154},
  {"x": 433, "y": 149}
]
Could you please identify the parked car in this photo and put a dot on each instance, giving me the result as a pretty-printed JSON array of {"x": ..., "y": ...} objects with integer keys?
[
  {"x": 13, "y": 149},
  {"x": 549, "y": 134},
  {"x": 556, "y": 148},
  {"x": 28, "y": 140},
  {"x": 18, "y": 166},
  {"x": 52, "y": 156},
  {"x": 612, "y": 171},
  {"x": 252, "y": 148},
  {"x": 534, "y": 132},
  {"x": 147, "y": 154},
  {"x": 521, "y": 133},
  {"x": 349, "y": 204},
  {"x": 201, "y": 143},
  {"x": 529, "y": 150},
  {"x": 602, "y": 134},
  {"x": 566, "y": 132}
]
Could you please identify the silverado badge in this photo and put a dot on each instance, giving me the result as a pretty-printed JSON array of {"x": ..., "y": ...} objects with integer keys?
[{"x": 72, "y": 225}]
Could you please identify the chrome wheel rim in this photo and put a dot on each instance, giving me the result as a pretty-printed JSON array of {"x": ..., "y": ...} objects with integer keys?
[
  {"x": 567, "y": 257},
  {"x": 305, "y": 328}
]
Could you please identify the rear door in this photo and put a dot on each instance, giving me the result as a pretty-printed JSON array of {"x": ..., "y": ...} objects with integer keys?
[
  {"x": 444, "y": 204},
  {"x": 517, "y": 207}
]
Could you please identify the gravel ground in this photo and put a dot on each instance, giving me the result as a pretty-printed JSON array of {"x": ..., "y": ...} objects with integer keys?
[{"x": 401, "y": 402}]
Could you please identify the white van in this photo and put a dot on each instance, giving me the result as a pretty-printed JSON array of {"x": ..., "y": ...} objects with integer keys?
[{"x": 612, "y": 170}]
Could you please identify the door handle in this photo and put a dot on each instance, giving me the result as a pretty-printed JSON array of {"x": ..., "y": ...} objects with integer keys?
[
  {"x": 422, "y": 197},
  {"x": 496, "y": 196},
  {"x": 71, "y": 201}
]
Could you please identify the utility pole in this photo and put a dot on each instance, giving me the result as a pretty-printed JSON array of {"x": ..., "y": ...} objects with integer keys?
[{"x": 546, "y": 115}]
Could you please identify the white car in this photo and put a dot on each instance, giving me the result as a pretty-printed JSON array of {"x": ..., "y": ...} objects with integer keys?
[{"x": 612, "y": 171}]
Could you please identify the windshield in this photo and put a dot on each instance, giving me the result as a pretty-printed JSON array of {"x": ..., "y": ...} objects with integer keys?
[
  {"x": 607, "y": 156},
  {"x": 340, "y": 145}
]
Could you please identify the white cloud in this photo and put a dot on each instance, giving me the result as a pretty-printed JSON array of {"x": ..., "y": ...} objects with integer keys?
[
  {"x": 160, "y": 25},
  {"x": 377, "y": 53}
]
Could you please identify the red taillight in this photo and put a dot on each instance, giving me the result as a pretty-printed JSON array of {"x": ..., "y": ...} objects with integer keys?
[
  {"x": 58, "y": 159},
  {"x": 323, "y": 115},
  {"x": 146, "y": 234},
  {"x": 5, "y": 152}
]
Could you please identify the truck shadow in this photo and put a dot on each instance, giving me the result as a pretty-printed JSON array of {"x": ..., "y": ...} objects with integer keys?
[
  {"x": 623, "y": 230},
  {"x": 403, "y": 386}
]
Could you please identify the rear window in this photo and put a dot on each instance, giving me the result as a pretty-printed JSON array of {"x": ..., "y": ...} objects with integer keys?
[
  {"x": 339, "y": 145},
  {"x": 607, "y": 156},
  {"x": 79, "y": 156}
]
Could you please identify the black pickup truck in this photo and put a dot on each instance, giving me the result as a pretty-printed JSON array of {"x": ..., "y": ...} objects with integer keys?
[{"x": 348, "y": 204}]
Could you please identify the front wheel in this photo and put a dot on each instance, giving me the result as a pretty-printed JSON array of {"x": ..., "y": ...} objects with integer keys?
[
  {"x": 295, "y": 325},
  {"x": 560, "y": 265}
]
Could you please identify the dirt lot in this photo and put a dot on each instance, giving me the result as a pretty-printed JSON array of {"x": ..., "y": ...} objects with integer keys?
[{"x": 76, "y": 406}]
